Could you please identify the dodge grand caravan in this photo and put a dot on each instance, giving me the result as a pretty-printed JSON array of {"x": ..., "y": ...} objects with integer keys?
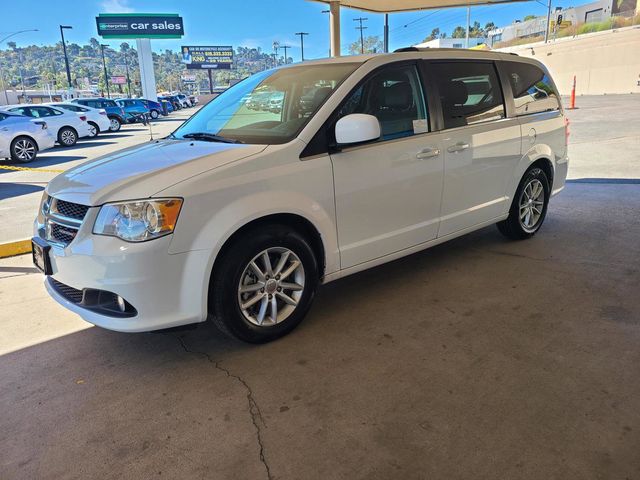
[{"x": 241, "y": 212}]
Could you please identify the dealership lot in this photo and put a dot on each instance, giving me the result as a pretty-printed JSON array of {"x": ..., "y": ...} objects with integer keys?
[{"x": 480, "y": 358}]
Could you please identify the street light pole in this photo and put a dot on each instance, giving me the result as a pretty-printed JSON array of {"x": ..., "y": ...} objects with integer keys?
[
  {"x": 64, "y": 49},
  {"x": 302, "y": 34},
  {"x": 285, "y": 48},
  {"x": 6, "y": 95},
  {"x": 546, "y": 30},
  {"x": 104, "y": 65},
  {"x": 126, "y": 67}
]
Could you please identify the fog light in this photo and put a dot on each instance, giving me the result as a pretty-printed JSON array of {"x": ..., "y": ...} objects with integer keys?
[{"x": 121, "y": 304}]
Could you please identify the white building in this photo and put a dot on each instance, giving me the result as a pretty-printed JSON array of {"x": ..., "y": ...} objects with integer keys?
[{"x": 451, "y": 42}]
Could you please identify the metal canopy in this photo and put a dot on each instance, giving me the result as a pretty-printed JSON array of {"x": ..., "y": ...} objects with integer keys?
[
  {"x": 392, "y": 6},
  {"x": 389, "y": 6}
]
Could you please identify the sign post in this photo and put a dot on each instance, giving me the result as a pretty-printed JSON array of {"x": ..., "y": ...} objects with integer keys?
[{"x": 142, "y": 27}]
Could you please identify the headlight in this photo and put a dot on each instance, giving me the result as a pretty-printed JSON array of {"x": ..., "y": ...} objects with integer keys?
[{"x": 138, "y": 221}]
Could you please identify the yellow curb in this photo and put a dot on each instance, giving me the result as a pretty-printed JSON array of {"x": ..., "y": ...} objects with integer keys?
[
  {"x": 12, "y": 249},
  {"x": 20, "y": 169}
]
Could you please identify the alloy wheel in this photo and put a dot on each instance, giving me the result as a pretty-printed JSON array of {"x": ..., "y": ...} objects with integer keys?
[
  {"x": 271, "y": 286},
  {"x": 25, "y": 149},
  {"x": 115, "y": 125},
  {"x": 531, "y": 205},
  {"x": 68, "y": 137}
]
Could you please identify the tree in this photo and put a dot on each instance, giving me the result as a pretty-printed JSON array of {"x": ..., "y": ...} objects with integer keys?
[
  {"x": 529, "y": 17},
  {"x": 488, "y": 27},
  {"x": 372, "y": 44},
  {"x": 435, "y": 33},
  {"x": 459, "y": 32},
  {"x": 475, "y": 30},
  {"x": 11, "y": 45}
]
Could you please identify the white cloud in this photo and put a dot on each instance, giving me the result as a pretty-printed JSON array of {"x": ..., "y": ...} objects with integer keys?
[{"x": 116, "y": 6}]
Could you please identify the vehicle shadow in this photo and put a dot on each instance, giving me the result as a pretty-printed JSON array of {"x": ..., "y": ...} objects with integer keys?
[
  {"x": 604, "y": 181},
  {"x": 81, "y": 145},
  {"x": 42, "y": 162},
  {"x": 10, "y": 189}
]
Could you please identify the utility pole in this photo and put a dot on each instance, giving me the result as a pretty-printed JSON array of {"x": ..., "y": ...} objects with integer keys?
[
  {"x": 302, "y": 34},
  {"x": 285, "y": 48},
  {"x": 126, "y": 66},
  {"x": 386, "y": 33},
  {"x": 546, "y": 30},
  {"x": 361, "y": 28},
  {"x": 104, "y": 65},
  {"x": 276, "y": 45},
  {"x": 466, "y": 41},
  {"x": 66, "y": 58}
]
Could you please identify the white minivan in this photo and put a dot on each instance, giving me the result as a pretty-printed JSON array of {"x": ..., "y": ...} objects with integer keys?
[{"x": 242, "y": 212}]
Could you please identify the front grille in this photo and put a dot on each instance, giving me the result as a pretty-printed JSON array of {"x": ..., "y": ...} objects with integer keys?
[
  {"x": 72, "y": 294},
  {"x": 62, "y": 233},
  {"x": 71, "y": 210}
]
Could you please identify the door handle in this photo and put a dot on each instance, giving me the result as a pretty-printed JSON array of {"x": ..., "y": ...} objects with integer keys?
[
  {"x": 458, "y": 147},
  {"x": 428, "y": 153}
]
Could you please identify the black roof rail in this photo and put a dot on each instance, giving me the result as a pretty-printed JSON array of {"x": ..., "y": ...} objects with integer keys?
[
  {"x": 407, "y": 49},
  {"x": 424, "y": 49}
]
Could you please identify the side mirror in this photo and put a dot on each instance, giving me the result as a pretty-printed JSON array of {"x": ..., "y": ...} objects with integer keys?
[{"x": 357, "y": 128}]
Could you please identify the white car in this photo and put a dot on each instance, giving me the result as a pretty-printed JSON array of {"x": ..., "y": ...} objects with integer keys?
[
  {"x": 239, "y": 215},
  {"x": 21, "y": 138},
  {"x": 66, "y": 126},
  {"x": 97, "y": 118}
]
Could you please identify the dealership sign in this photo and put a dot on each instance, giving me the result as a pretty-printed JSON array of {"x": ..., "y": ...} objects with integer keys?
[
  {"x": 140, "y": 25},
  {"x": 188, "y": 78},
  {"x": 203, "y": 58},
  {"x": 118, "y": 79}
]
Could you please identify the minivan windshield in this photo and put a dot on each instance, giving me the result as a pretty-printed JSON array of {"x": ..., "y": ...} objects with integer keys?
[{"x": 270, "y": 107}]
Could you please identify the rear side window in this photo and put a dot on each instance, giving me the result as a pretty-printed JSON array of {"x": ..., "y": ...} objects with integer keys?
[
  {"x": 469, "y": 92},
  {"x": 532, "y": 89},
  {"x": 108, "y": 103}
]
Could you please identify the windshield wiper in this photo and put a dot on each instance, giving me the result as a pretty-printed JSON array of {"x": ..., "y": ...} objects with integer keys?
[{"x": 210, "y": 137}]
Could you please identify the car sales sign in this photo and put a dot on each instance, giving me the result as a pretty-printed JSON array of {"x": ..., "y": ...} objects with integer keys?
[
  {"x": 140, "y": 25},
  {"x": 202, "y": 58}
]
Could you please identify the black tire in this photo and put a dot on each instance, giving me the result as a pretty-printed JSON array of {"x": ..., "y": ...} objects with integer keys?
[
  {"x": 154, "y": 114},
  {"x": 23, "y": 149},
  {"x": 514, "y": 226},
  {"x": 67, "y": 136},
  {"x": 224, "y": 301},
  {"x": 96, "y": 128},
  {"x": 116, "y": 124}
]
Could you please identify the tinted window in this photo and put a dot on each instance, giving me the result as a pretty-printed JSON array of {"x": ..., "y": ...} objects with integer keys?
[
  {"x": 71, "y": 108},
  {"x": 532, "y": 89},
  {"x": 469, "y": 93},
  {"x": 21, "y": 111},
  {"x": 394, "y": 97},
  {"x": 108, "y": 103},
  {"x": 3, "y": 116}
]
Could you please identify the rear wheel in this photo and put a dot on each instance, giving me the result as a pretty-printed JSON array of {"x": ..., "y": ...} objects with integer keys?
[
  {"x": 264, "y": 285},
  {"x": 155, "y": 114},
  {"x": 94, "y": 130},
  {"x": 67, "y": 136},
  {"x": 529, "y": 206},
  {"x": 23, "y": 149},
  {"x": 115, "y": 125}
]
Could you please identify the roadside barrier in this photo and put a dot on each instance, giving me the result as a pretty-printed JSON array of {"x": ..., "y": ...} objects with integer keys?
[
  {"x": 20, "y": 169},
  {"x": 12, "y": 249},
  {"x": 572, "y": 102}
]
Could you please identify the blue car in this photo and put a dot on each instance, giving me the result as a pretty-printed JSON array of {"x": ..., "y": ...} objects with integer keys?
[
  {"x": 135, "y": 109},
  {"x": 155, "y": 108},
  {"x": 114, "y": 111},
  {"x": 166, "y": 101}
]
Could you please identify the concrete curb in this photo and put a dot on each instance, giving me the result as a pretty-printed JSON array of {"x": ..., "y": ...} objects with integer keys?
[{"x": 11, "y": 249}]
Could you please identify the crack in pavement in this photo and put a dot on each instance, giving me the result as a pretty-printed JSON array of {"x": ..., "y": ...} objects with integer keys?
[{"x": 254, "y": 408}]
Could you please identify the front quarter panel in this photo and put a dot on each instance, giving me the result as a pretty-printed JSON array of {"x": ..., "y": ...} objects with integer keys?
[{"x": 218, "y": 203}]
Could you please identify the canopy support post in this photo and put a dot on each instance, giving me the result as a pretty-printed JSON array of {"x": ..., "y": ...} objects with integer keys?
[
  {"x": 334, "y": 27},
  {"x": 386, "y": 33}
]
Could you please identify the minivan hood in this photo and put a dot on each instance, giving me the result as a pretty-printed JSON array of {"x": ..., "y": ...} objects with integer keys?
[{"x": 143, "y": 170}]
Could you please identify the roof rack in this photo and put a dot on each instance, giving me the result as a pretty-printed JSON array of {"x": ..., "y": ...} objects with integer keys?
[{"x": 425, "y": 49}]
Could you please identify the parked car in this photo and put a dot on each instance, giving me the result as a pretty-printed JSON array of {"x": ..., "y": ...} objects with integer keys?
[
  {"x": 96, "y": 117},
  {"x": 115, "y": 113},
  {"x": 238, "y": 216},
  {"x": 66, "y": 126},
  {"x": 21, "y": 138},
  {"x": 194, "y": 100},
  {"x": 170, "y": 105},
  {"x": 134, "y": 109},
  {"x": 185, "y": 102},
  {"x": 155, "y": 108}
]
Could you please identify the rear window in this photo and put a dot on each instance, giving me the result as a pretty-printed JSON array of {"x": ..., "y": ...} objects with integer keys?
[
  {"x": 532, "y": 89},
  {"x": 108, "y": 103},
  {"x": 470, "y": 93}
]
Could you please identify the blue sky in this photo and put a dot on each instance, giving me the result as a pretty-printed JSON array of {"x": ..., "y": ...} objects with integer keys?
[{"x": 247, "y": 22}]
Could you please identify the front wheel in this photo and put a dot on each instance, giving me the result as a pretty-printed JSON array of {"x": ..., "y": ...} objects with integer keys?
[
  {"x": 529, "y": 206},
  {"x": 67, "y": 137},
  {"x": 23, "y": 150},
  {"x": 264, "y": 285},
  {"x": 115, "y": 125}
]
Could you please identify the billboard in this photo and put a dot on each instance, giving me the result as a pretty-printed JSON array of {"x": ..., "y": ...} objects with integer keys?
[
  {"x": 118, "y": 79},
  {"x": 203, "y": 58},
  {"x": 188, "y": 78},
  {"x": 140, "y": 25}
]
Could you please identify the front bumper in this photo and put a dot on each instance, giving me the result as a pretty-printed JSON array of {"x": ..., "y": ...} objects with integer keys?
[{"x": 166, "y": 290}]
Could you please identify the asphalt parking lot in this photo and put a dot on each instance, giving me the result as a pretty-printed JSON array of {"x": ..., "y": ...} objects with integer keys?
[{"x": 480, "y": 358}]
